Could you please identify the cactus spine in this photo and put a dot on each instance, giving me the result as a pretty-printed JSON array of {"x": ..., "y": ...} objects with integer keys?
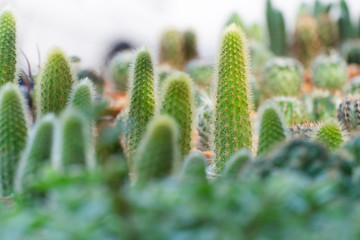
[
  {"x": 13, "y": 133},
  {"x": 142, "y": 99},
  {"x": 37, "y": 152},
  {"x": 8, "y": 60},
  {"x": 54, "y": 84},
  {"x": 178, "y": 102},
  {"x": 232, "y": 110},
  {"x": 330, "y": 135},
  {"x": 194, "y": 168},
  {"x": 271, "y": 128},
  {"x": 158, "y": 150}
]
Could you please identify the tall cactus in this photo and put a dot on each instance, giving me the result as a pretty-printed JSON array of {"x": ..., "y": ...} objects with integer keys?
[
  {"x": 54, "y": 84},
  {"x": 37, "y": 152},
  {"x": 82, "y": 96},
  {"x": 13, "y": 133},
  {"x": 271, "y": 127},
  {"x": 346, "y": 27},
  {"x": 8, "y": 43},
  {"x": 276, "y": 29},
  {"x": 232, "y": 109},
  {"x": 142, "y": 98},
  {"x": 178, "y": 102},
  {"x": 328, "y": 31},
  {"x": 158, "y": 150},
  {"x": 190, "y": 45},
  {"x": 236, "y": 163},
  {"x": 171, "y": 48},
  {"x": 330, "y": 135}
]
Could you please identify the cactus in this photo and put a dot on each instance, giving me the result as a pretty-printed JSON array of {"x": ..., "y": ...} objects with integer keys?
[
  {"x": 348, "y": 113},
  {"x": 163, "y": 71},
  {"x": 73, "y": 145},
  {"x": 283, "y": 77},
  {"x": 171, "y": 48},
  {"x": 276, "y": 29},
  {"x": 306, "y": 39},
  {"x": 259, "y": 54},
  {"x": 271, "y": 127},
  {"x": 194, "y": 169},
  {"x": 142, "y": 99},
  {"x": 328, "y": 31},
  {"x": 200, "y": 71},
  {"x": 8, "y": 45},
  {"x": 96, "y": 79},
  {"x": 236, "y": 163},
  {"x": 54, "y": 83},
  {"x": 353, "y": 87},
  {"x": 158, "y": 151},
  {"x": 203, "y": 126},
  {"x": 235, "y": 18},
  {"x": 346, "y": 27},
  {"x": 303, "y": 131},
  {"x": 13, "y": 133},
  {"x": 82, "y": 97},
  {"x": 119, "y": 69},
  {"x": 37, "y": 152},
  {"x": 320, "y": 105},
  {"x": 190, "y": 45},
  {"x": 330, "y": 134},
  {"x": 178, "y": 102},
  {"x": 232, "y": 109},
  {"x": 291, "y": 108},
  {"x": 350, "y": 50},
  {"x": 329, "y": 72}
]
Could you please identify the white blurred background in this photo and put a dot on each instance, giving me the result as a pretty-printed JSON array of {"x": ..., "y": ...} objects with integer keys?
[{"x": 87, "y": 28}]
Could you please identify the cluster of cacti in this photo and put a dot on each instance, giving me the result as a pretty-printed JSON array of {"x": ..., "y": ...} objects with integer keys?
[
  {"x": 291, "y": 108},
  {"x": 119, "y": 69},
  {"x": 283, "y": 77},
  {"x": 329, "y": 72},
  {"x": 276, "y": 29}
]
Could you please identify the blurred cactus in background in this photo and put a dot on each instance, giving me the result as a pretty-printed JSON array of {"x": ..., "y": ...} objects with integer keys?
[
  {"x": 190, "y": 45},
  {"x": 291, "y": 108},
  {"x": 320, "y": 105},
  {"x": 276, "y": 29},
  {"x": 348, "y": 113},
  {"x": 119, "y": 67},
  {"x": 350, "y": 50},
  {"x": 353, "y": 87},
  {"x": 194, "y": 169},
  {"x": 200, "y": 71},
  {"x": 203, "y": 126},
  {"x": 82, "y": 97},
  {"x": 304, "y": 131},
  {"x": 259, "y": 55},
  {"x": 96, "y": 79},
  {"x": 171, "y": 48},
  {"x": 346, "y": 27},
  {"x": 328, "y": 31}
]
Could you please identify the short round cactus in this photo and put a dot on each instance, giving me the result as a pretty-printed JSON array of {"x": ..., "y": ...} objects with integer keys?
[
  {"x": 291, "y": 108},
  {"x": 283, "y": 77},
  {"x": 329, "y": 72},
  {"x": 329, "y": 133},
  {"x": 119, "y": 69}
]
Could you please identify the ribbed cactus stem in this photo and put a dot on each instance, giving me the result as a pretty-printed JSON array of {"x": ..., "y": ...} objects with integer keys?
[
  {"x": 271, "y": 128},
  {"x": 348, "y": 113},
  {"x": 232, "y": 109},
  {"x": 194, "y": 171},
  {"x": 330, "y": 135},
  {"x": 37, "y": 152},
  {"x": 236, "y": 163},
  {"x": 82, "y": 96},
  {"x": 8, "y": 51},
  {"x": 158, "y": 150},
  {"x": 54, "y": 84},
  {"x": 13, "y": 134},
  {"x": 142, "y": 98},
  {"x": 178, "y": 103}
]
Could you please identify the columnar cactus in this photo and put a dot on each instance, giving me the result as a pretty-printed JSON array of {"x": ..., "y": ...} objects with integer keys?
[
  {"x": 307, "y": 41},
  {"x": 320, "y": 105},
  {"x": 119, "y": 69},
  {"x": 276, "y": 29},
  {"x": 271, "y": 127},
  {"x": 8, "y": 44},
  {"x": 329, "y": 72},
  {"x": 190, "y": 45},
  {"x": 328, "y": 31},
  {"x": 73, "y": 145},
  {"x": 232, "y": 108},
  {"x": 346, "y": 28},
  {"x": 330, "y": 135},
  {"x": 142, "y": 99},
  {"x": 291, "y": 108},
  {"x": 13, "y": 133},
  {"x": 236, "y": 163},
  {"x": 203, "y": 126},
  {"x": 158, "y": 151},
  {"x": 82, "y": 97},
  {"x": 171, "y": 48},
  {"x": 178, "y": 102},
  {"x": 194, "y": 171},
  {"x": 54, "y": 83},
  {"x": 283, "y": 77},
  {"x": 348, "y": 113},
  {"x": 37, "y": 152}
]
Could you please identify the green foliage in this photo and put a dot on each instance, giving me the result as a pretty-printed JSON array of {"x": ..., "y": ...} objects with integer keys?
[
  {"x": 203, "y": 126},
  {"x": 171, "y": 48},
  {"x": 13, "y": 133},
  {"x": 194, "y": 169},
  {"x": 157, "y": 154},
  {"x": 319, "y": 105},
  {"x": 235, "y": 165},
  {"x": 329, "y": 72},
  {"x": 190, "y": 45},
  {"x": 348, "y": 113},
  {"x": 283, "y": 77},
  {"x": 141, "y": 98},
  {"x": 54, "y": 83},
  {"x": 271, "y": 128},
  {"x": 119, "y": 69},
  {"x": 291, "y": 109},
  {"x": 82, "y": 97},
  {"x": 200, "y": 71},
  {"x": 232, "y": 109},
  {"x": 330, "y": 135},
  {"x": 37, "y": 152},
  {"x": 8, "y": 46},
  {"x": 178, "y": 102},
  {"x": 276, "y": 29}
]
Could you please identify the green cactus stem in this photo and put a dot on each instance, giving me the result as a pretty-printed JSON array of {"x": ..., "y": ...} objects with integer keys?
[
  {"x": 54, "y": 83},
  {"x": 158, "y": 151},
  {"x": 82, "y": 97},
  {"x": 271, "y": 127},
  {"x": 330, "y": 135},
  {"x": 171, "y": 48},
  {"x": 291, "y": 108},
  {"x": 232, "y": 109},
  {"x": 276, "y": 29},
  {"x": 348, "y": 113},
  {"x": 8, "y": 45},
  {"x": 119, "y": 69},
  {"x": 203, "y": 126},
  {"x": 178, "y": 102},
  {"x": 13, "y": 134},
  {"x": 194, "y": 171},
  {"x": 320, "y": 105},
  {"x": 236, "y": 163},
  {"x": 190, "y": 45}
]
